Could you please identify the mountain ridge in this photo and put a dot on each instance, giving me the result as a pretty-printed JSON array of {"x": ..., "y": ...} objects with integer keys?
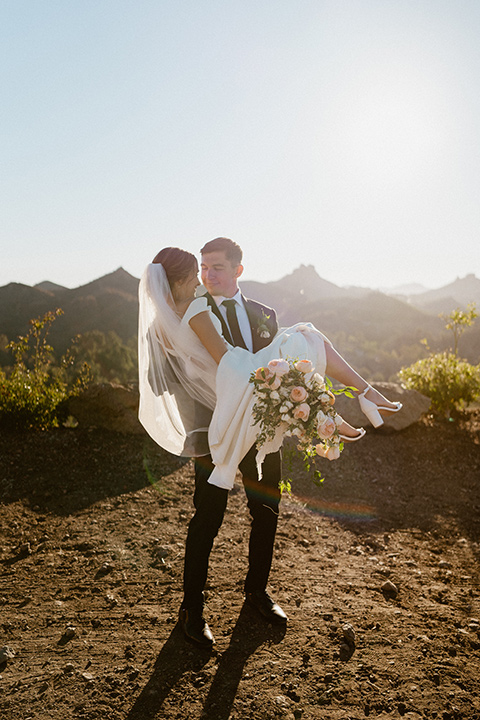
[{"x": 360, "y": 319}]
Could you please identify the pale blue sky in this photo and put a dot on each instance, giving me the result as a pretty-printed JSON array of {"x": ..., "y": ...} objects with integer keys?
[{"x": 339, "y": 133}]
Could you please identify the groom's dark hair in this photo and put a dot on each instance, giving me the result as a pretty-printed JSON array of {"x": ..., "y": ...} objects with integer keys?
[{"x": 233, "y": 252}]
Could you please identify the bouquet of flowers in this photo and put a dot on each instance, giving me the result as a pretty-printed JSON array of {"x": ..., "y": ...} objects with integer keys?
[{"x": 291, "y": 396}]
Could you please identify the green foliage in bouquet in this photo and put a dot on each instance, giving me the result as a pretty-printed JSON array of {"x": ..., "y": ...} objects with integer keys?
[
  {"x": 450, "y": 382},
  {"x": 292, "y": 400},
  {"x": 33, "y": 392}
]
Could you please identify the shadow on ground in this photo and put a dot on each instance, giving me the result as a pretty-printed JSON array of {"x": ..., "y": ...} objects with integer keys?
[
  {"x": 64, "y": 471},
  {"x": 178, "y": 659}
]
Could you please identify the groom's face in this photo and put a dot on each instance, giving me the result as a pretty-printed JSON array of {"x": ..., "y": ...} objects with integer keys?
[{"x": 219, "y": 275}]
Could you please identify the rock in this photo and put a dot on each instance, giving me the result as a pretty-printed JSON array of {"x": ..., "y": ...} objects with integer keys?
[
  {"x": 414, "y": 406},
  {"x": 282, "y": 701},
  {"x": 69, "y": 668},
  {"x": 105, "y": 569},
  {"x": 25, "y": 549},
  {"x": 6, "y": 654},
  {"x": 349, "y": 634},
  {"x": 389, "y": 589},
  {"x": 107, "y": 405},
  {"x": 69, "y": 633}
]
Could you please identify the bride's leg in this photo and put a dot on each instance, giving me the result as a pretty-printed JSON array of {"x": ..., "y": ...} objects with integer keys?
[
  {"x": 348, "y": 433},
  {"x": 338, "y": 368}
]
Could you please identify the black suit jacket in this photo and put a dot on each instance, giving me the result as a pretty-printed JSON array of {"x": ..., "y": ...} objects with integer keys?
[{"x": 263, "y": 322}]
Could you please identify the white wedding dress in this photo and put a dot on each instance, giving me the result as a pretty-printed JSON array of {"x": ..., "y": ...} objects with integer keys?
[
  {"x": 188, "y": 404},
  {"x": 231, "y": 433}
]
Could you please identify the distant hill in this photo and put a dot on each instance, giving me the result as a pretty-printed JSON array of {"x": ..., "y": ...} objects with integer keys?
[
  {"x": 459, "y": 293},
  {"x": 377, "y": 332},
  {"x": 109, "y": 303},
  {"x": 405, "y": 290},
  {"x": 50, "y": 286}
]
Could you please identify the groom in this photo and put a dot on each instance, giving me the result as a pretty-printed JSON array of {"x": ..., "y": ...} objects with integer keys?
[{"x": 252, "y": 326}]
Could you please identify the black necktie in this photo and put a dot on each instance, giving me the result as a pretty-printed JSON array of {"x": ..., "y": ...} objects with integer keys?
[{"x": 232, "y": 320}]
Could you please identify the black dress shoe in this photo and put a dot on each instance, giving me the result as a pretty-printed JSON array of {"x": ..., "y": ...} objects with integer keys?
[
  {"x": 195, "y": 628},
  {"x": 267, "y": 607}
]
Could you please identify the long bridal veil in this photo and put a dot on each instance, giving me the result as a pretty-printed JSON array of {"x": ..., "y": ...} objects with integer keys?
[{"x": 176, "y": 373}]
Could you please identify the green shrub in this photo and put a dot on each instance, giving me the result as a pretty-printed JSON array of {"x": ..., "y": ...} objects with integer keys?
[
  {"x": 450, "y": 383},
  {"x": 33, "y": 393}
]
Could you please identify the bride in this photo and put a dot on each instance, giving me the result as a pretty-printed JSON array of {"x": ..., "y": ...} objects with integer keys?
[{"x": 195, "y": 394}]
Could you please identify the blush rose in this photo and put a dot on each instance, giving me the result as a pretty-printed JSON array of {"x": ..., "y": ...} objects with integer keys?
[
  {"x": 305, "y": 366},
  {"x": 279, "y": 367},
  {"x": 302, "y": 412},
  {"x": 298, "y": 394}
]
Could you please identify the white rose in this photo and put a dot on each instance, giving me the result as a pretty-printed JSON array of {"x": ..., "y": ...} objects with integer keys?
[{"x": 274, "y": 395}]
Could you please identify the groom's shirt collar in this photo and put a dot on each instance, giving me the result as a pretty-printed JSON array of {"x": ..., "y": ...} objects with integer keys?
[
  {"x": 242, "y": 317},
  {"x": 237, "y": 297}
]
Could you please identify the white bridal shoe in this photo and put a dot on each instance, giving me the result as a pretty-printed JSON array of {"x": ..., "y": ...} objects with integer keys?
[
  {"x": 349, "y": 438},
  {"x": 372, "y": 410}
]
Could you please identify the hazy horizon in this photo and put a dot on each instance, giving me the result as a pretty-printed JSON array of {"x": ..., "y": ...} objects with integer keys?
[
  {"x": 344, "y": 134},
  {"x": 244, "y": 278}
]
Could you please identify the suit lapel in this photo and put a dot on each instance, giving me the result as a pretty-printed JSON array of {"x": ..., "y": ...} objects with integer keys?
[
  {"x": 253, "y": 317},
  {"x": 216, "y": 311},
  {"x": 253, "y": 320}
]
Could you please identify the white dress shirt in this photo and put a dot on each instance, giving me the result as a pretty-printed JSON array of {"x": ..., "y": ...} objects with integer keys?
[{"x": 242, "y": 317}]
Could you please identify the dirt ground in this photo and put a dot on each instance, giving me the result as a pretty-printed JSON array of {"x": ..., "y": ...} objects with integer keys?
[{"x": 92, "y": 533}]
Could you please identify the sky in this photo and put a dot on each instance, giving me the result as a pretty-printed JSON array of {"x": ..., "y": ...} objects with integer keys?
[{"x": 343, "y": 134}]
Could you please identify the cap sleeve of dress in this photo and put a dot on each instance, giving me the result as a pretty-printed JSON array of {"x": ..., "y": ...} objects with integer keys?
[{"x": 196, "y": 307}]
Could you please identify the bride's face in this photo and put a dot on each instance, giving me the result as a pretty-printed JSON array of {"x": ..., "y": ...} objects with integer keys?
[
  {"x": 219, "y": 275},
  {"x": 185, "y": 289}
]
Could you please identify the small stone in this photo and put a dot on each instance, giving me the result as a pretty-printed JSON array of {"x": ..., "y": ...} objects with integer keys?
[
  {"x": 87, "y": 676},
  {"x": 282, "y": 701},
  {"x": 349, "y": 633},
  {"x": 423, "y": 638},
  {"x": 70, "y": 632},
  {"x": 25, "y": 549},
  {"x": 69, "y": 668},
  {"x": 390, "y": 589},
  {"x": 6, "y": 653}
]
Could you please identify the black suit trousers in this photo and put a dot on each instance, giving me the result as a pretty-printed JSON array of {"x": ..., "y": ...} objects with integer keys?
[{"x": 210, "y": 502}]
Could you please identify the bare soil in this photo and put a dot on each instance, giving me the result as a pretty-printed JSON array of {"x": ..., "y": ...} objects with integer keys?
[{"x": 93, "y": 525}]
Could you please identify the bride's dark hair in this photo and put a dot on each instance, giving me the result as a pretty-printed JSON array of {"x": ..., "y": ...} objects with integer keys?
[{"x": 178, "y": 264}]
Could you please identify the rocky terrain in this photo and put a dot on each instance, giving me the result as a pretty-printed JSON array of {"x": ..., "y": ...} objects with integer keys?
[{"x": 377, "y": 570}]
